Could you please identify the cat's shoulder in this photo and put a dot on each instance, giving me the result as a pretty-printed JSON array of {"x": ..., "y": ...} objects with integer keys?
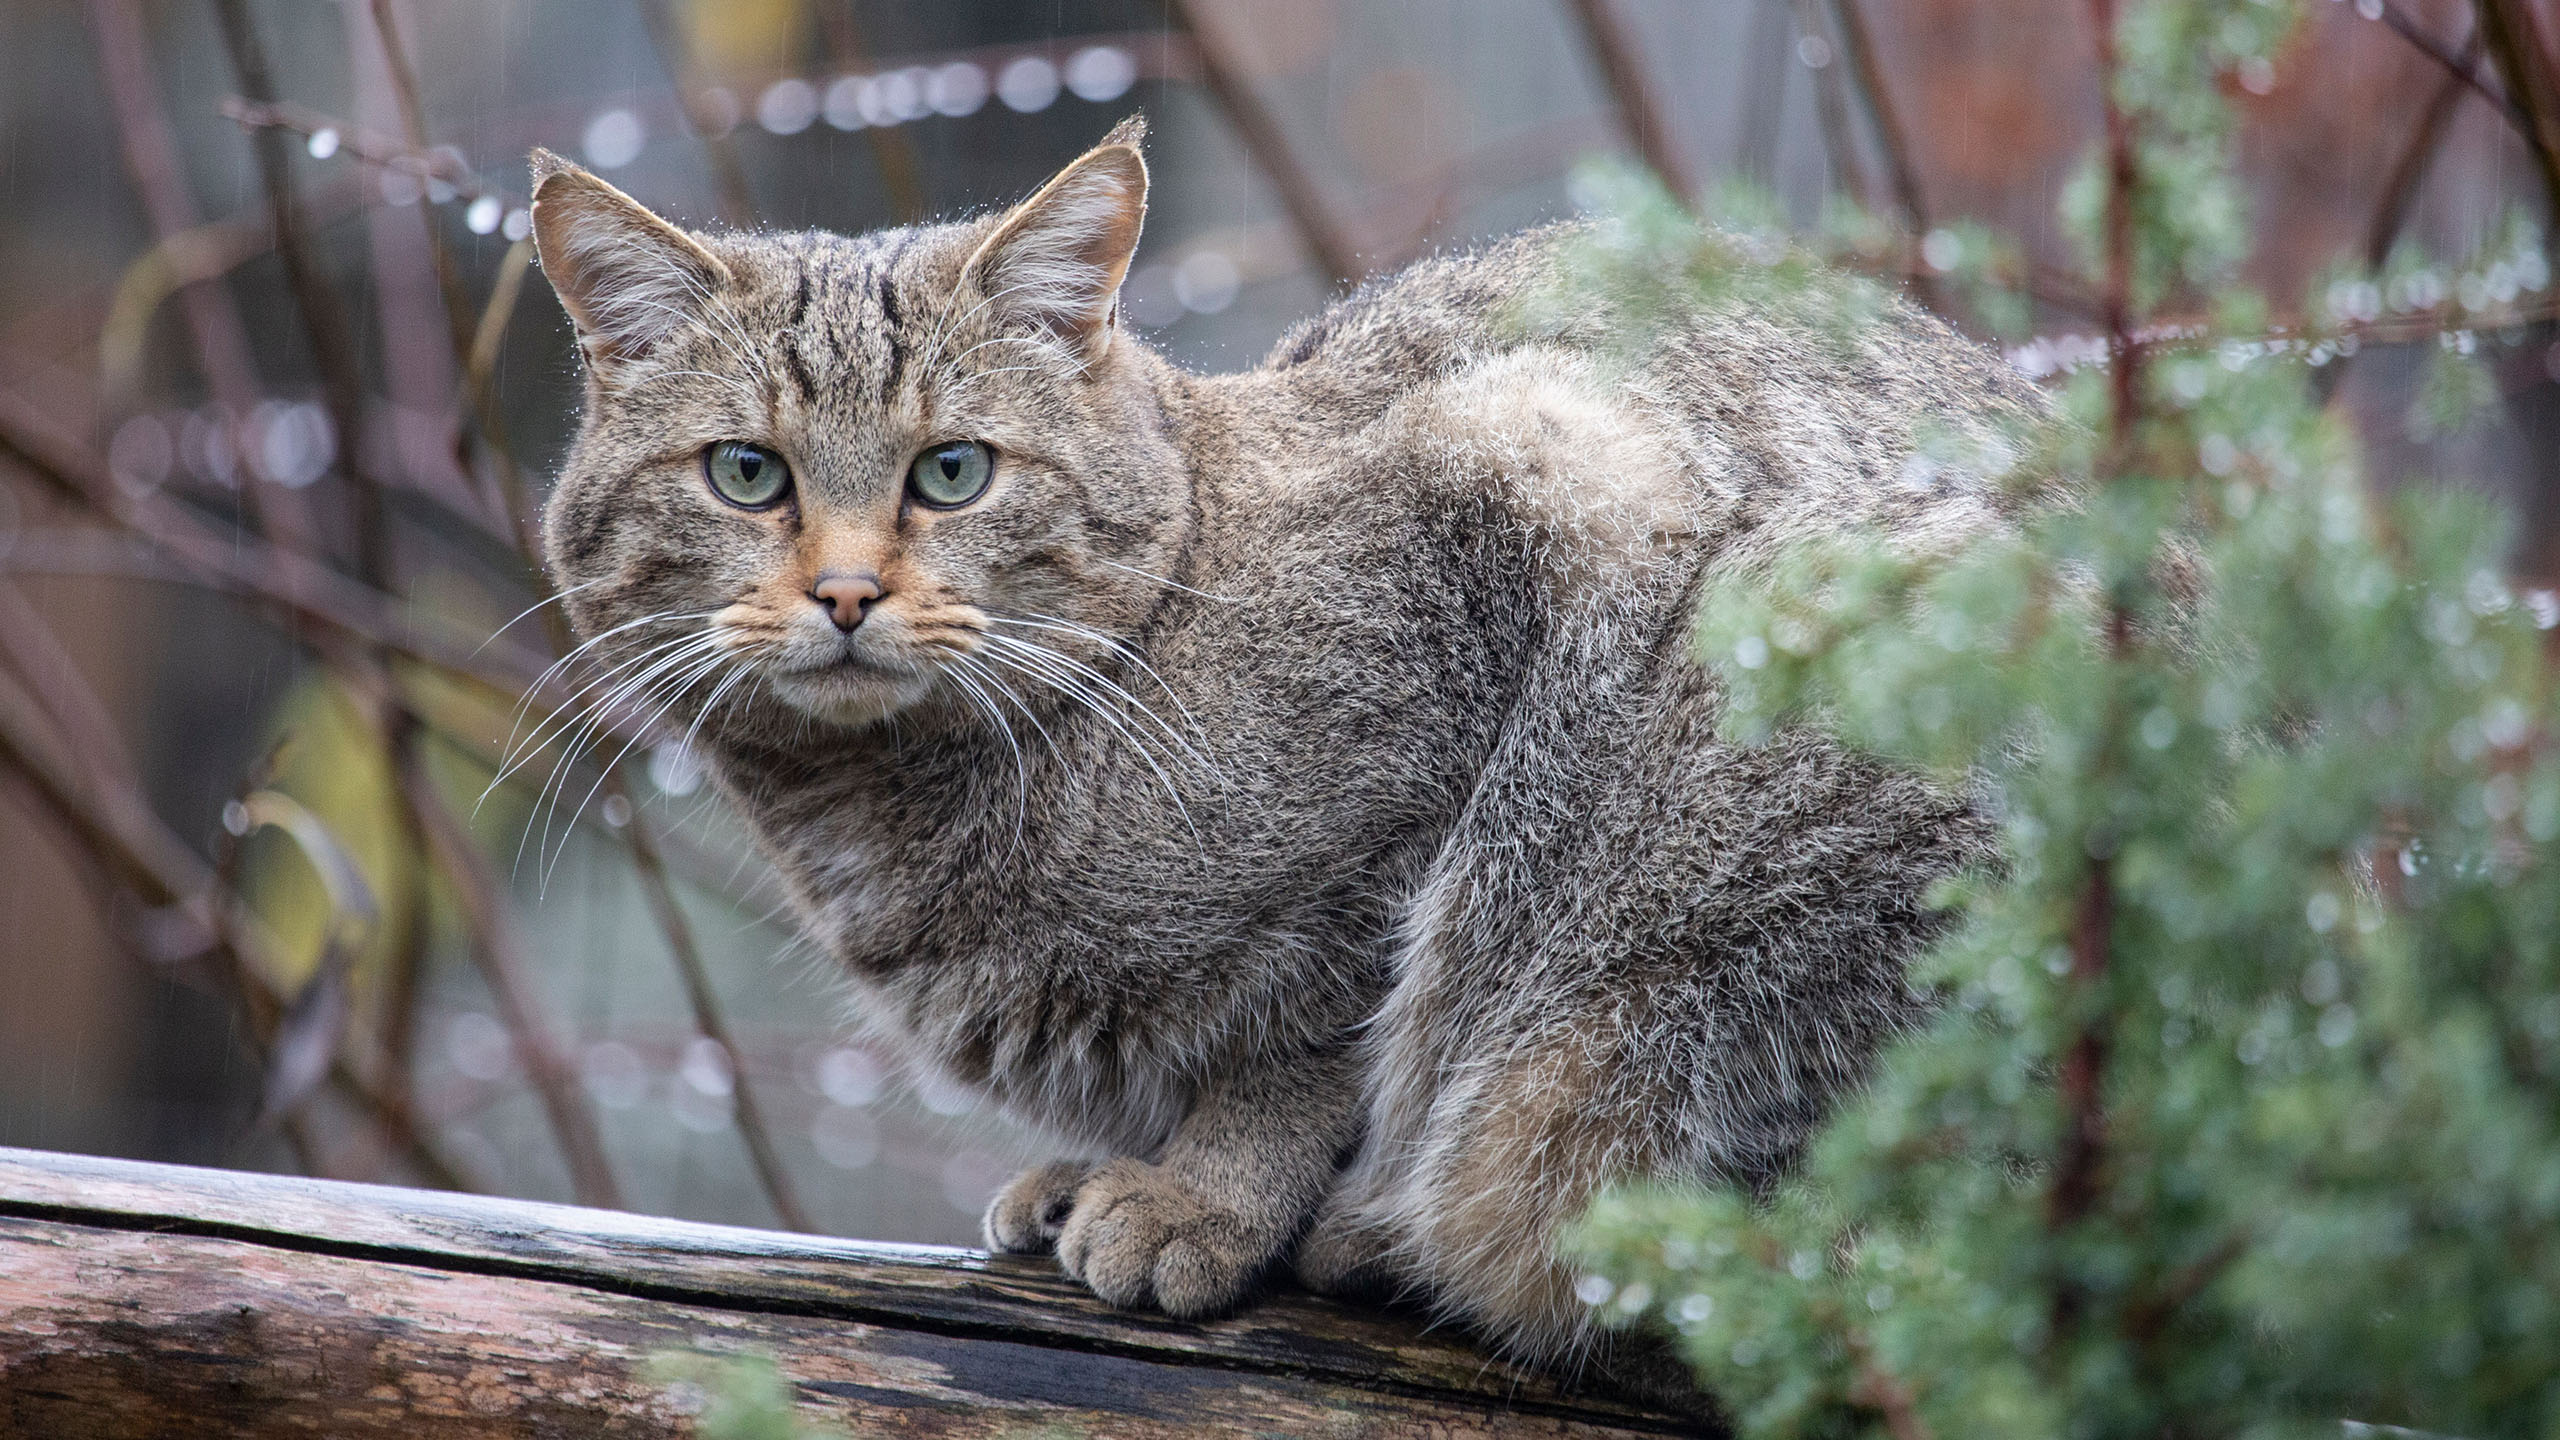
[{"x": 1431, "y": 312}]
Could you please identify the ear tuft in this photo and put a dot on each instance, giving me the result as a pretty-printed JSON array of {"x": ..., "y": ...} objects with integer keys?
[
  {"x": 628, "y": 278},
  {"x": 1131, "y": 132},
  {"x": 1057, "y": 260},
  {"x": 547, "y": 163}
]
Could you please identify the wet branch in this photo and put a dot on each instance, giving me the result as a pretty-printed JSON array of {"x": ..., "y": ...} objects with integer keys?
[
  {"x": 1622, "y": 71},
  {"x": 1327, "y": 238}
]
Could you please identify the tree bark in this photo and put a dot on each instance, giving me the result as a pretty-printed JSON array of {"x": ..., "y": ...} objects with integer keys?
[{"x": 153, "y": 1300}]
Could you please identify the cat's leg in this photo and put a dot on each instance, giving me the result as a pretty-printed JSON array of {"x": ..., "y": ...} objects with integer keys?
[
  {"x": 1027, "y": 1214},
  {"x": 1192, "y": 1228},
  {"x": 1641, "y": 955}
]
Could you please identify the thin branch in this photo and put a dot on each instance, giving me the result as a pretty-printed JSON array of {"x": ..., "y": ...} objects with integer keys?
[
  {"x": 2400, "y": 194},
  {"x": 29, "y": 646},
  {"x": 1622, "y": 71},
  {"x": 324, "y": 320},
  {"x": 678, "y": 931},
  {"x": 502, "y": 965},
  {"x": 305, "y": 595},
  {"x": 381, "y": 151},
  {"x": 116, "y": 829},
  {"x": 1327, "y": 238},
  {"x": 2514, "y": 43},
  {"x": 220, "y": 339},
  {"x": 1859, "y": 51},
  {"x": 728, "y": 176},
  {"x": 2079, "y": 1170},
  {"x": 2463, "y": 68},
  {"x": 413, "y": 121},
  {"x": 893, "y": 148},
  {"x": 1770, "y": 64},
  {"x": 1839, "y": 146}
]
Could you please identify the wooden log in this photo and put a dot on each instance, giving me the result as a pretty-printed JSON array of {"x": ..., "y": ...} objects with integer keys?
[{"x": 145, "y": 1300}]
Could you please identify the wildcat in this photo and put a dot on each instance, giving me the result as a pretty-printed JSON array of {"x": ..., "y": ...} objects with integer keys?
[{"x": 1294, "y": 788}]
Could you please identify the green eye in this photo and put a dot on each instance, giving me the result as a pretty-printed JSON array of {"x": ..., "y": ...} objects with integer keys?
[
  {"x": 948, "y": 476},
  {"x": 747, "y": 476}
]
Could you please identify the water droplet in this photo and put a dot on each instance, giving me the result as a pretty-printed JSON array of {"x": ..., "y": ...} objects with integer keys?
[
  {"x": 1028, "y": 84},
  {"x": 707, "y": 1066},
  {"x": 324, "y": 142},
  {"x": 140, "y": 456},
  {"x": 614, "y": 1074},
  {"x": 846, "y": 1139},
  {"x": 849, "y": 1076},
  {"x": 1206, "y": 281},
  {"x": 1101, "y": 72},
  {"x": 675, "y": 769},
  {"x": 483, "y": 216},
  {"x": 2322, "y": 912},
  {"x": 844, "y": 104},
  {"x": 787, "y": 107},
  {"x": 957, "y": 89},
  {"x": 614, "y": 139}
]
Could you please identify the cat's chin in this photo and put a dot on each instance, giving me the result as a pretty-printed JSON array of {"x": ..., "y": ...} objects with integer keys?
[{"x": 847, "y": 696}]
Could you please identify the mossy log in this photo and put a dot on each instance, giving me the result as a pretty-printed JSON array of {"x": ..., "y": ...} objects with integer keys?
[{"x": 157, "y": 1300}]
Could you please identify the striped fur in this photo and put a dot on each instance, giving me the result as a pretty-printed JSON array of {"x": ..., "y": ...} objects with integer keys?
[{"x": 1293, "y": 788}]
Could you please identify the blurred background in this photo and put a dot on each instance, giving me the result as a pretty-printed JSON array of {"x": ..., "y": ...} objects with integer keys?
[{"x": 278, "y": 393}]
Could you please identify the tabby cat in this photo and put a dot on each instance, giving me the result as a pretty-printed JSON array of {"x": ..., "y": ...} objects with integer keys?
[{"x": 1294, "y": 789}]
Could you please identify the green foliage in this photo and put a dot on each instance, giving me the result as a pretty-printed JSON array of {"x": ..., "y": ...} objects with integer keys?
[
  {"x": 2275, "y": 772},
  {"x": 731, "y": 1397}
]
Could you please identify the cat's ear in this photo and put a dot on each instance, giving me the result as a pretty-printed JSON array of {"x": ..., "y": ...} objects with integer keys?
[
  {"x": 1058, "y": 258},
  {"x": 628, "y": 278}
]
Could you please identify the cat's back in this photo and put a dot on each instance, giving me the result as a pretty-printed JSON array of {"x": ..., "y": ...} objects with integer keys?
[{"x": 1618, "y": 429}]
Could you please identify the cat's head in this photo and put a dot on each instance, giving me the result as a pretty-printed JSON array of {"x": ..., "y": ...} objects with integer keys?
[{"x": 844, "y": 476}]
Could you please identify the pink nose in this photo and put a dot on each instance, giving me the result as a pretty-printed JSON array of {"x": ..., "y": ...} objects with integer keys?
[{"x": 846, "y": 596}]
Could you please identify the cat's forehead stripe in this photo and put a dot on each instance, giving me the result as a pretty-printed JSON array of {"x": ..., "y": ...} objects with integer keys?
[{"x": 890, "y": 321}]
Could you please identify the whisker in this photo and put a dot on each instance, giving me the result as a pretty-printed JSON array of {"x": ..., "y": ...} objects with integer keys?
[
  {"x": 567, "y": 715},
  {"x": 1126, "y": 652},
  {"x": 686, "y": 658},
  {"x": 667, "y": 702},
  {"x": 1021, "y": 771},
  {"x": 1086, "y": 672},
  {"x": 556, "y": 666},
  {"x": 1174, "y": 584},
  {"x": 1103, "y": 713},
  {"x": 554, "y": 598}
]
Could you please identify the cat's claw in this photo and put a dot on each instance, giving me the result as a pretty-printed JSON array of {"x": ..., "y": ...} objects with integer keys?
[
  {"x": 1027, "y": 1214},
  {"x": 1138, "y": 1235}
]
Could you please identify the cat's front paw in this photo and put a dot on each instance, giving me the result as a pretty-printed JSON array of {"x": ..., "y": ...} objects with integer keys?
[
  {"x": 1137, "y": 1234},
  {"x": 1027, "y": 1214}
]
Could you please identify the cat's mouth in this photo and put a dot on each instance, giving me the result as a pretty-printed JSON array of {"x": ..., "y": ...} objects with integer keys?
[
  {"x": 847, "y": 689},
  {"x": 846, "y": 663}
]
